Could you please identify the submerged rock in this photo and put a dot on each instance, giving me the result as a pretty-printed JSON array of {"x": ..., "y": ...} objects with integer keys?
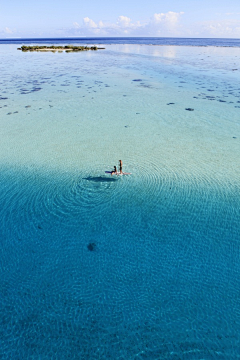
[{"x": 91, "y": 246}]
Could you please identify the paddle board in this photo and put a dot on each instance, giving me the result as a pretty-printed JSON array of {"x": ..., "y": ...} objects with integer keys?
[{"x": 118, "y": 173}]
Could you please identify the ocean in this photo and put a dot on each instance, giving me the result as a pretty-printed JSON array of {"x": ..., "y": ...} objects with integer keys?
[
  {"x": 128, "y": 40},
  {"x": 142, "y": 266}
]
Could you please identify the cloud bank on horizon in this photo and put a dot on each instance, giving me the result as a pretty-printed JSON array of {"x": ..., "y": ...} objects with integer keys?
[{"x": 162, "y": 24}]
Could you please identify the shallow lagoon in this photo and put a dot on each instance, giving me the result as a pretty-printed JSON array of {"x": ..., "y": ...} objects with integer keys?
[{"x": 138, "y": 267}]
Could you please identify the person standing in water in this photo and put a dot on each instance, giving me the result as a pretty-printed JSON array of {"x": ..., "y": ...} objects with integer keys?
[{"x": 120, "y": 166}]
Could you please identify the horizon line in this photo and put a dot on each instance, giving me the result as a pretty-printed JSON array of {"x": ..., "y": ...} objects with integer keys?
[{"x": 113, "y": 37}]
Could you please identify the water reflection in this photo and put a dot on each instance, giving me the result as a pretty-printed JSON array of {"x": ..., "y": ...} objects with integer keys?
[{"x": 150, "y": 50}]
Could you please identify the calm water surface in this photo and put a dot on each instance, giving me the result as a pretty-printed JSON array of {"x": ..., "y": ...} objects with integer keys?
[{"x": 145, "y": 266}]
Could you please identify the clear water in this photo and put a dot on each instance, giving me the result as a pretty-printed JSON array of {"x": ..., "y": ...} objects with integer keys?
[
  {"x": 145, "y": 266},
  {"x": 129, "y": 40}
]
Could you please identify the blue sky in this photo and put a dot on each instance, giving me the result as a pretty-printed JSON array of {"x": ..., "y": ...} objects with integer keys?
[{"x": 60, "y": 18}]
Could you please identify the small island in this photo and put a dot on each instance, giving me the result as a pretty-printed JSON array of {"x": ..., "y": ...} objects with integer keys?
[{"x": 52, "y": 48}]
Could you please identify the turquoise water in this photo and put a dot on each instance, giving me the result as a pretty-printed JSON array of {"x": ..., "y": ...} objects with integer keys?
[{"x": 144, "y": 266}]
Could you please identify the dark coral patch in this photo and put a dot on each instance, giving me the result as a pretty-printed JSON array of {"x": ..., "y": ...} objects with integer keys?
[
  {"x": 36, "y": 89},
  {"x": 91, "y": 246}
]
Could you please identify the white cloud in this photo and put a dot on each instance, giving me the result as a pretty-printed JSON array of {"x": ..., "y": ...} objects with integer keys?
[
  {"x": 89, "y": 23},
  {"x": 165, "y": 24},
  {"x": 6, "y": 30},
  {"x": 101, "y": 24},
  {"x": 170, "y": 18},
  {"x": 223, "y": 28},
  {"x": 162, "y": 24},
  {"x": 124, "y": 21}
]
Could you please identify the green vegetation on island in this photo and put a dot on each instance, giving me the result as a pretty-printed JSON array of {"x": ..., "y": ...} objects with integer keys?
[{"x": 66, "y": 48}]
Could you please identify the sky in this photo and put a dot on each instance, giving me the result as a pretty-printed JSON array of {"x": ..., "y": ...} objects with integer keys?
[{"x": 106, "y": 18}]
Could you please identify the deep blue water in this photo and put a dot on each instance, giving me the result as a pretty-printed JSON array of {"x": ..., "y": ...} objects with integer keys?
[
  {"x": 160, "y": 280},
  {"x": 129, "y": 40}
]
